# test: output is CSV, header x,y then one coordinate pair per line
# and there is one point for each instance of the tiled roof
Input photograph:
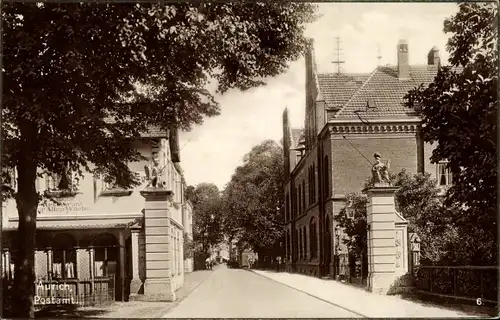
x,y
382,87
386,92
338,88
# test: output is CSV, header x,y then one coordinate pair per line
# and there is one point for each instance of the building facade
x,y
188,233
348,117
93,232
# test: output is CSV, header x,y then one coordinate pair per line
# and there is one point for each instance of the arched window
x,y
313,240
314,183
303,196
305,242
63,257
328,240
296,245
106,255
287,208
300,244
290,244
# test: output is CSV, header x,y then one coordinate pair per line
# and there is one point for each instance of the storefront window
x,y
106,256
63,257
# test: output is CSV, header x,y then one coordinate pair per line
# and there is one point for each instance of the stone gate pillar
x,y
381,220
158,284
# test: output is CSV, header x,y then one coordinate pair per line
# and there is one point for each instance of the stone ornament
x,y
153,172
380,171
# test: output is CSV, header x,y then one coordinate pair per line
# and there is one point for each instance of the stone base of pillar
x,y
381,283
157,290
136,289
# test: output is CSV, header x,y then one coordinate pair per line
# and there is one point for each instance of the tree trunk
x,y
24,271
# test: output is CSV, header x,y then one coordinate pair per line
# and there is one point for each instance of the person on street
x,y
278,263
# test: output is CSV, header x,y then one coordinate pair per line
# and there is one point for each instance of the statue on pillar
x,y
153,172
380,171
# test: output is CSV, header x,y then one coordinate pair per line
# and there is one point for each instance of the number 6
x,y
479,301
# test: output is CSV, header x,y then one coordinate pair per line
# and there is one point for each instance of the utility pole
x,y
338,62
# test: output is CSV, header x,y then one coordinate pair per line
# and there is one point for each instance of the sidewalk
x,y
133,309
359,300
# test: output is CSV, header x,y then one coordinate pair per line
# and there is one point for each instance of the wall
x,y
87,201
350,169
428,166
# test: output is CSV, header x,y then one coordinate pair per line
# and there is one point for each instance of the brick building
x,y
348,117
94,235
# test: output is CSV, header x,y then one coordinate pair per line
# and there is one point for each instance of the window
x,y
444,175
309,184
287,207
300,201
296,244
9,177
57,181
303,196
313,173
313,238
301,249
326,178
106,255
304,235
63,257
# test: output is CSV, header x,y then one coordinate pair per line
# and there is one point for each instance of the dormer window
x,y
444,175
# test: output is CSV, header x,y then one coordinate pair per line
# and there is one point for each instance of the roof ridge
x,y
356,92
342,74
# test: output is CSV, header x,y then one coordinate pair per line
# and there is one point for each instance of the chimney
x,y
433,57
403,64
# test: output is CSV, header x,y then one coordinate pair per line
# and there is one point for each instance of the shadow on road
x,y
69,311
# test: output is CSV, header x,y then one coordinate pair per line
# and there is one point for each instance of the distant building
x,y
348,117
188,233
96,231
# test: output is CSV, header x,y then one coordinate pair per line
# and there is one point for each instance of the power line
x,y
338,62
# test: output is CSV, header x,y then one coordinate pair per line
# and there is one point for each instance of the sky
x,y
211,152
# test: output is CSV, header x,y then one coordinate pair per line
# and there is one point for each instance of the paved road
x,y
235,293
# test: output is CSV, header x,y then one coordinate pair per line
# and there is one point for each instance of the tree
x,y
190,194
207,218
417,199
254,198
459,113
81,80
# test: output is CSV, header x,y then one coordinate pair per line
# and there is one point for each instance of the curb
x,y
178,301
311,295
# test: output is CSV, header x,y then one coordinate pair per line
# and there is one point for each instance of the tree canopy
x,y
459,114
82,80
207,215
254,198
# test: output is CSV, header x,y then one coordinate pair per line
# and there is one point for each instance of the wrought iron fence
x,y
80,292
463,282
